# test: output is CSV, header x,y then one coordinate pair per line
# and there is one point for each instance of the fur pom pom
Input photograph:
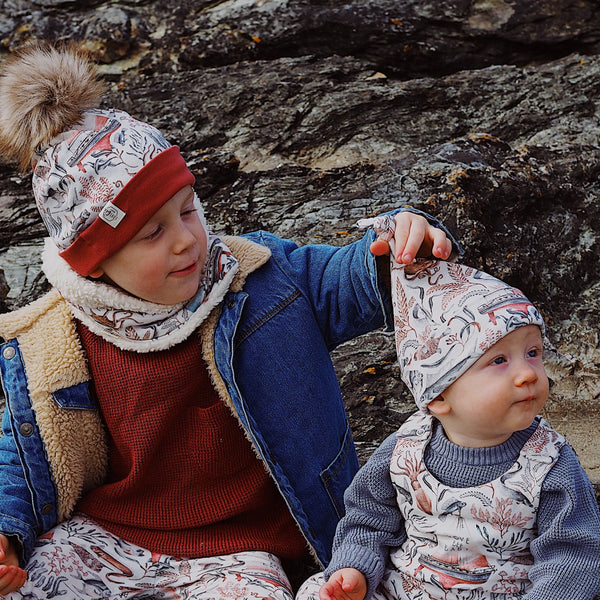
x,y
43,92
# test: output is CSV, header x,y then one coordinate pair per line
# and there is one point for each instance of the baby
x,y
476,496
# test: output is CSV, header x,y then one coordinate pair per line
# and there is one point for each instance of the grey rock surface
x,y
301,116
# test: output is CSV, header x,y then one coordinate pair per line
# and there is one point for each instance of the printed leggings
x,y
79,560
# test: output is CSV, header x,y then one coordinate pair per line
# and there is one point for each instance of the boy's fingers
x,y
408,235
443,245
409,240
404,225
11,579
379,247
445,249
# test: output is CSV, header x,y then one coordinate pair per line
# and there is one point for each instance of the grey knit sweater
x,y
566,551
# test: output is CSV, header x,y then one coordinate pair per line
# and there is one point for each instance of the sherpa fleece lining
x,y
74,440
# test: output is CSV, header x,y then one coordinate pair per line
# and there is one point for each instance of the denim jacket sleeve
x,y
298,306
343,284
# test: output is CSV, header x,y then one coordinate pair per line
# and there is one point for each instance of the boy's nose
x,y
184,238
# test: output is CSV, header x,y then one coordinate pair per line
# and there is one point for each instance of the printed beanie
x,y
98,175
446,316
98,184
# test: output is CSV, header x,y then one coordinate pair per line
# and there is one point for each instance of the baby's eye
x,y
499,360
189,211
534,352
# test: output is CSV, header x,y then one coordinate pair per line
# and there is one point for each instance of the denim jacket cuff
x,y
380,264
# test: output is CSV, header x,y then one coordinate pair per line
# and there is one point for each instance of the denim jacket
x,y
267,348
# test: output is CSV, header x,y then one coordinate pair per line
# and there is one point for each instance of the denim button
x,y
9,352
47,509
26,429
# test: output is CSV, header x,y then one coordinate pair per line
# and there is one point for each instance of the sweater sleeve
x,y
567,550
373,523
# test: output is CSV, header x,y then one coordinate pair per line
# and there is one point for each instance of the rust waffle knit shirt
x,y
183,479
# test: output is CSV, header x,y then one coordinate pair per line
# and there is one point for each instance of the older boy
x,y
174,425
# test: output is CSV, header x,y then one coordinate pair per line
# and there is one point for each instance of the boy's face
x,y
163,263
500,394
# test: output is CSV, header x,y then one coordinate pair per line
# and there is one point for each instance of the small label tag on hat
x,y
112,215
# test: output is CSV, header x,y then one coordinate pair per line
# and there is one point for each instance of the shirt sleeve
x,y
567,550
373,524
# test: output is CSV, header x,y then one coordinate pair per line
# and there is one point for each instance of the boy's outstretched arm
x,y
12,577
345,584
413,236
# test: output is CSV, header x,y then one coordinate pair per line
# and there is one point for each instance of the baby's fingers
x,y
329,591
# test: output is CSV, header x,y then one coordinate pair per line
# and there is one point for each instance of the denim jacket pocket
x,y
76,397
337,476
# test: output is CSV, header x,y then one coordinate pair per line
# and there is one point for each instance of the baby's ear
x,y
439,406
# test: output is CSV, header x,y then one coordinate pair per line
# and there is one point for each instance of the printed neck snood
x,y
134,324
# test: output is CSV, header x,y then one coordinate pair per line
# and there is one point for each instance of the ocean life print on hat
x,y
98,175
447,315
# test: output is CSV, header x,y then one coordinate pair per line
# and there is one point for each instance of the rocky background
x,y
301,116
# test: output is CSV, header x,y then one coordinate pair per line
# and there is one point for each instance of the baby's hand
x,y
345,584
12,577
409,235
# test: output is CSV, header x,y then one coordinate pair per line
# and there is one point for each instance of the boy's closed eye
x,y
156,229
153,233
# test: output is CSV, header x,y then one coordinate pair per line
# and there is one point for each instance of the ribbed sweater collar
x,y
459,466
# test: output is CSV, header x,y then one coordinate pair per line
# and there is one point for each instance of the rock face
x,y
301,116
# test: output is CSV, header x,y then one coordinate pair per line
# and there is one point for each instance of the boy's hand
x,y
12,577
345,584
413,236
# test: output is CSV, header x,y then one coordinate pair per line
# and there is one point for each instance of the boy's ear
x,y
439,406
97,273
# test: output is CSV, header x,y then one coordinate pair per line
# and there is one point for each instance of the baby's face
x,y
163,263
499,394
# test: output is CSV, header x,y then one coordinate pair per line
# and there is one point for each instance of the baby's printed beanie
x,y
98,175
446,315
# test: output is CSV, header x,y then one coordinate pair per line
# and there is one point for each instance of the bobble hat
x,y
98,175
